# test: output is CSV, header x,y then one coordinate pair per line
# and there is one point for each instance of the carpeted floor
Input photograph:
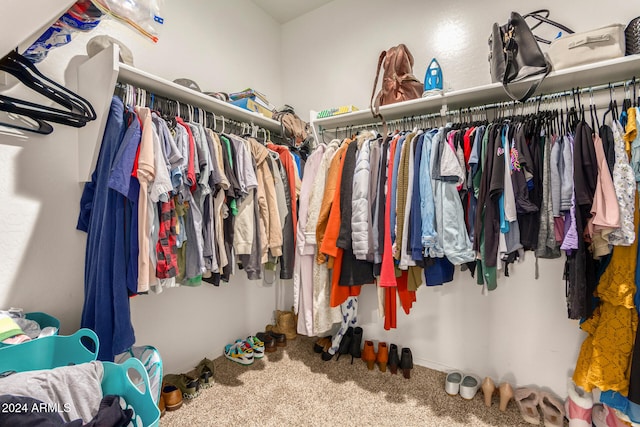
x,y
294,387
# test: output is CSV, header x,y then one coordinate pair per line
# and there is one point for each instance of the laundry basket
x,y
82,347
119,379
43,319
50,352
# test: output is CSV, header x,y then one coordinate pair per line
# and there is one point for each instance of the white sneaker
x,y
469,386
452,382
236,353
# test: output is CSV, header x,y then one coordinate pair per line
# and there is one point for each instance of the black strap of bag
x,y
532,88
510,48
542,16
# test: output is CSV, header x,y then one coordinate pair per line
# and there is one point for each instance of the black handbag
x,y
515,55
542,16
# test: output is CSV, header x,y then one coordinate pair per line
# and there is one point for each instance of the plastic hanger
x,y
626,103
610,107
592,110
43,128
30,76
76,110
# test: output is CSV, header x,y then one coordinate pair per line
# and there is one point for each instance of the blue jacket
x,y
415,216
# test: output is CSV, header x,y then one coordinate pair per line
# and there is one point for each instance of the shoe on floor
x,y
285,324
281,339
527,400
406,362
552,410
603,416
369,354
393,359
322,344
205,371
188,385
237,352
268,340
469,386
161,405
578,406
171,396
382,357
452,382
256,345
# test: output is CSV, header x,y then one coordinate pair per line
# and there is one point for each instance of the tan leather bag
x,y
398,82
293,126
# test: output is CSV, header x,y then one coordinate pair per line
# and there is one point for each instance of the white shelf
x,y
163,87
583,76
96,82
23,21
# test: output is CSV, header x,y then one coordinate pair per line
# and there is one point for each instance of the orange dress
x,y
339,294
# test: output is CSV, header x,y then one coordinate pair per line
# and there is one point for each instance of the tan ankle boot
x,y
285,324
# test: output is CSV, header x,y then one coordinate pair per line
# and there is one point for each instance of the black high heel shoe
x,y
345,343
394,359
356,344
406,362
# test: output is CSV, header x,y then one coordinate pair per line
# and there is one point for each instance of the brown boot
x,y
285,324
369,354
383,356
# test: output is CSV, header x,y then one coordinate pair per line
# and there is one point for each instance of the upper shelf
x,y
96,79
583,76
25,21
163,87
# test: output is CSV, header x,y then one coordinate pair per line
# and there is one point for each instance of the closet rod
x,y
136,96
403,120
551,96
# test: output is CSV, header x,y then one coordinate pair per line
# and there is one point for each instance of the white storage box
x,y
587,47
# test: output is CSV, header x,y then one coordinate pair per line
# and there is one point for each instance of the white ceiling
x,y
285,10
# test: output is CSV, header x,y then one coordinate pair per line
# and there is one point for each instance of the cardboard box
x,y
252,105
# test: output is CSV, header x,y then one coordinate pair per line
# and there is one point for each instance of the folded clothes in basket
x,y
76,390
33,412
8,327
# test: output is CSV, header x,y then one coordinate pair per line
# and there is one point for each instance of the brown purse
x,y
398,82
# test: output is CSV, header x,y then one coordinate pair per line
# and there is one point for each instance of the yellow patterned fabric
x,y
605,357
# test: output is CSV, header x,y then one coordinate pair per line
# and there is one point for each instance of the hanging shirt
x,y
106,302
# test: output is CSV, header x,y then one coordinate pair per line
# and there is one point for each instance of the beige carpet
x,y
294,387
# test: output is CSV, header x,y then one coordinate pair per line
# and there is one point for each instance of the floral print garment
x,y
625,185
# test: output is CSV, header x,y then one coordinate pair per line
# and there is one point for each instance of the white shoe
x,y
469,386
238,353
452,382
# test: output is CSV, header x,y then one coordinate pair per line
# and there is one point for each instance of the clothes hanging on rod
x,y
180,196
471,192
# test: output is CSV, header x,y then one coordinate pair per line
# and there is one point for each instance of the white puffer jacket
x,y
361,208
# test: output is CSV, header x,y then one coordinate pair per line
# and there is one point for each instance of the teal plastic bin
x,y
43,319
82,347
119,379
50,352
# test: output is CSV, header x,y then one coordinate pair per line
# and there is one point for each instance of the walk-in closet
x,y
319,212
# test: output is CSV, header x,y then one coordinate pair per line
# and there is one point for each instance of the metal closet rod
x,y
483,107
552,96
140,92
403,120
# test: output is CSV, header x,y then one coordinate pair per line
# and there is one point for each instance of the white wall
x,y
520,332
224,46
